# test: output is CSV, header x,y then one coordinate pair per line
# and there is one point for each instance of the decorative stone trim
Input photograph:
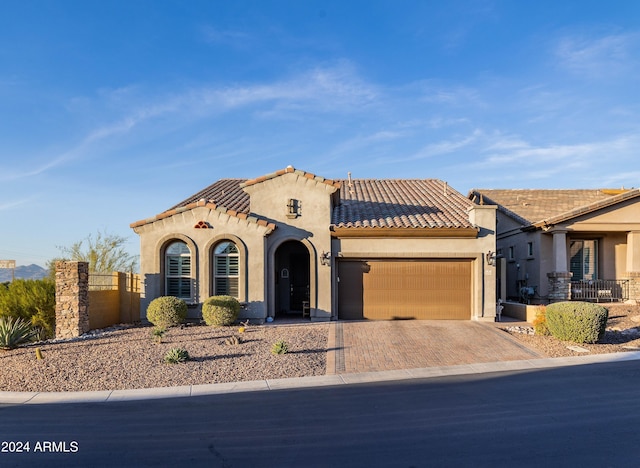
x,y
559,286
72,299
634,286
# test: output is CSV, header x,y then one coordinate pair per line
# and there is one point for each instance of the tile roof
x,y
224,192
366,203
400,203
533,206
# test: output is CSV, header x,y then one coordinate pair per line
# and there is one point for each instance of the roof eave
x,y
371,232
583,210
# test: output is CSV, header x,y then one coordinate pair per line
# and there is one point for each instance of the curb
x,y
108,396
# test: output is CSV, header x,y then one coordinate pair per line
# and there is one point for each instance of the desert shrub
x,y
157,333
280,347
580,322
540,322
220,311
176,355
233,341
167,311
14,332
34,301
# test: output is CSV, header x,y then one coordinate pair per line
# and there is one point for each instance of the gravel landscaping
x,y
623,334
128,357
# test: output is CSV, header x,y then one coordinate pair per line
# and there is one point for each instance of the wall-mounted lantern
x,y
491,258
325,258
294,208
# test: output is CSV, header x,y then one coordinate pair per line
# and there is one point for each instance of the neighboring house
x,y
291,243
556,245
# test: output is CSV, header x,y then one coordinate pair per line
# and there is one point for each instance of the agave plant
x,y
14,332
176,355
280,347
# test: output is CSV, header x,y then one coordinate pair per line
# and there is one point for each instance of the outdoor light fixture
x,y
491,258
325,258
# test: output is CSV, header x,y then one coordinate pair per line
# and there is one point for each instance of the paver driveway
x,y
370,346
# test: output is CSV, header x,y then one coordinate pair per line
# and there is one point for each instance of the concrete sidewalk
x,y
30,398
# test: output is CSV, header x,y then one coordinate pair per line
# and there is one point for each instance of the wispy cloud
x,y
510,161
14,204
445,147
233,37
599,57
331,89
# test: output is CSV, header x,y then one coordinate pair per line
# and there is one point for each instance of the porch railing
x,y
600,290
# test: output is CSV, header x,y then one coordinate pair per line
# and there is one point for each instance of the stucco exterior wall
x,y
248,236
310,225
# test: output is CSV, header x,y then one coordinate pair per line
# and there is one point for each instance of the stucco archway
x,y
292,278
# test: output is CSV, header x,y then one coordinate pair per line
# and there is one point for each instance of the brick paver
x,y
404,344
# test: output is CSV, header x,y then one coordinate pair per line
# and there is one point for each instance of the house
x,y
556,245
294,243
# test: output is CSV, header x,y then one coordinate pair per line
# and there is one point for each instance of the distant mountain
x,y
25,272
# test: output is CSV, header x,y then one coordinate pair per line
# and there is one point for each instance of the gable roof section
x,y
410,204
549,206
290,170
225,196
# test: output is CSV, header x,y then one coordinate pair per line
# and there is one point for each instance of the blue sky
x,y
112,112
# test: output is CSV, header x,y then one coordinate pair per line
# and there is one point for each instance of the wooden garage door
x,y
403,289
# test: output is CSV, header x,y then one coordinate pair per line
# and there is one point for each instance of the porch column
x,y
633,265
560,251
560,277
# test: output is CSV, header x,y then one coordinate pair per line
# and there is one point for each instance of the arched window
x,y
226,269
178,270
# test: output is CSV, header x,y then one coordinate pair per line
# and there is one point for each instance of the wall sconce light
x,y
491,258
325,258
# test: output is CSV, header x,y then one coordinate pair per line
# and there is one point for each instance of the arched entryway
x,y
292,278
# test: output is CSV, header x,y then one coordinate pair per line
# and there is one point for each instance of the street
x,y
583,416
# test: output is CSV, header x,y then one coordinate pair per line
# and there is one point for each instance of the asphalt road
x,y
573,416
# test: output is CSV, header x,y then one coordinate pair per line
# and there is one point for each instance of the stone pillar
x,y
634,286
633,266
559,286
72,299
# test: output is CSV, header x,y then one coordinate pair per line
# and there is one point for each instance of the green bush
x,y
176,355
580,322
14,332
34,301
219,311
167,311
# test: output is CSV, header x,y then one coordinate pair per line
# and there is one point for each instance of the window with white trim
x,y
583,261
226,269
178,270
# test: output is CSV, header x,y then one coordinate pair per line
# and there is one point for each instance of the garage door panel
x,y
422,289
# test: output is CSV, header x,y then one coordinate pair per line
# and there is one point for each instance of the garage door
x,y
404,289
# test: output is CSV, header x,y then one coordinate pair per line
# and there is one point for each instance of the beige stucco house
x,y
293,243
556,245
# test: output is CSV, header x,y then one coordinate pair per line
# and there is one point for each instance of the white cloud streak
x,y
601,57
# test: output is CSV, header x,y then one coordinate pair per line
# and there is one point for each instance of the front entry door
x,y
292,277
